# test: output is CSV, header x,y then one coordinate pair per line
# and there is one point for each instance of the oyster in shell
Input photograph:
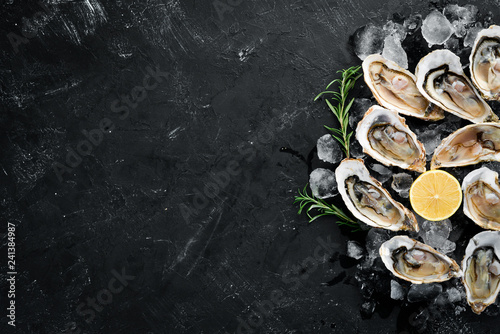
x,y
395,89
368,201
384,135
468,146
481,267
417,262
482,198
441,80
485,63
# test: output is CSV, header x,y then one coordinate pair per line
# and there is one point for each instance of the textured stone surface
x,y
187,192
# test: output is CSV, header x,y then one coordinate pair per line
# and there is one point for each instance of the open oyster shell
x,y
417,262
368,201
441,80
395,89
481,267
482,198
384,135
468,146
485,62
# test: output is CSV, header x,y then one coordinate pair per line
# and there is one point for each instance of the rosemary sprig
x,y
341,110
304,199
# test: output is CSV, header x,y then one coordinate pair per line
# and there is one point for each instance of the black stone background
x,y
240,86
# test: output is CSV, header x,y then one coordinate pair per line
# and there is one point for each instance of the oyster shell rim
x,y
386,255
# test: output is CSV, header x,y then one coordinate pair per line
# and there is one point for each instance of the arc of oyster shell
x,y
468,146
394,88
368,201
441,80
485,62
481,268
417,262
482,198
384,135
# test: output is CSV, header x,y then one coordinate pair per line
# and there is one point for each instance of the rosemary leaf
x,y
324,209
342,107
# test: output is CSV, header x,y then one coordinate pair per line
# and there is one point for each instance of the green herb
x,y
341,110
325,209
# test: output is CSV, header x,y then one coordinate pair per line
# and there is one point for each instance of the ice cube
x,y
436,233
322,182
421,292
375,238
431,138
401,183
368,40
471,34
367,309
354,250
383,173
328,149
452,44
413,22
394,51
436,29
356,150
397,291
465,15
459,28
454,295
396,29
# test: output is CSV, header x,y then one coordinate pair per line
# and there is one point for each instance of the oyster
x,y
482,198
485,63
395,89
481,266
441,80
468,146
368,201
416,262
384,135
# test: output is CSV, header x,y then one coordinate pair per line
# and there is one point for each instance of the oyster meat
x,y
395,89
384,135
416,262
485,62
468,146
481,267
441,80
368,201
482,198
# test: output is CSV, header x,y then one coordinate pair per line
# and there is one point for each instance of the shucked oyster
x,y
469,145
416,262
485,63
368,201
395,89
441,80
482,198
384,135
481,266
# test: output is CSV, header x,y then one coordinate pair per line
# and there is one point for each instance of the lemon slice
x,y
435,195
